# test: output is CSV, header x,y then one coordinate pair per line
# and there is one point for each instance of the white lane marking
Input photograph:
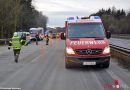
x,y
97,80
35,59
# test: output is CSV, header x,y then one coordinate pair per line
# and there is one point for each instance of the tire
x,y
107,64
67,65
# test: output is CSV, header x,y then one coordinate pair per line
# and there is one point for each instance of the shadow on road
x,y
87,68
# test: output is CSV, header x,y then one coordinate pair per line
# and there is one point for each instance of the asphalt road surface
x,y
42,68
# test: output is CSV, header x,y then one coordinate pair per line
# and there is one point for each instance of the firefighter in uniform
x,y
37,38
15,43
47,37
28,40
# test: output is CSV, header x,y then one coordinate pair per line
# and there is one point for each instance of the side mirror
x,y
63,37
108,34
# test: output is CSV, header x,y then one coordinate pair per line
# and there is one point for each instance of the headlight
x,y
69,50
106,50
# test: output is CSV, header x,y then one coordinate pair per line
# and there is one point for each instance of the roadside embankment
x,y
121,54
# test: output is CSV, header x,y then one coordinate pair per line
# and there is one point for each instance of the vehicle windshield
x,y
34,31
86,30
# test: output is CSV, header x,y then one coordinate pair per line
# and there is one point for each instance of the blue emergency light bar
x,y
96,17
70,18
91,18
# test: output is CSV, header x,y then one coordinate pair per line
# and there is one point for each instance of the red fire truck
x,y
86,42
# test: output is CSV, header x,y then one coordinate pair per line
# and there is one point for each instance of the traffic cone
x,y
41,50
51,43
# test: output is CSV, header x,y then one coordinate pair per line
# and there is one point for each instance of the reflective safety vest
x,y
15,42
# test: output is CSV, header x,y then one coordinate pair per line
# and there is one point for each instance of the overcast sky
x,y
58,10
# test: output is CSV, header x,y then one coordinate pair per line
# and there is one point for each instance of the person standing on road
x,y
28,40
23,37
15,43
37,37
47,37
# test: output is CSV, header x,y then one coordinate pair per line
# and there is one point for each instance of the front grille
x,y
88,51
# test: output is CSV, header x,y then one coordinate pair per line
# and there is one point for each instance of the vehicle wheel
x,y
67,65
106,65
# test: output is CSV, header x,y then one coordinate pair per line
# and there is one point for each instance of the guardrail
x,y
122,49
121,53
121,36
4,41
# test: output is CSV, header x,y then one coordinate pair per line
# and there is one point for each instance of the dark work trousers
x,y
47,40
36,41
16,51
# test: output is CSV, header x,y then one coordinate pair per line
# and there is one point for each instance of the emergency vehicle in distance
x,y
34,31
86,42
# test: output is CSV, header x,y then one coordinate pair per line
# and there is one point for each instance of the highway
x,y
42,68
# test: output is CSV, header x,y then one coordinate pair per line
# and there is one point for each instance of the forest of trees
x,y
118,21
18,15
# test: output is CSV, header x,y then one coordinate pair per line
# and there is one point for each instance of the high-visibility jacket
x,y
15,42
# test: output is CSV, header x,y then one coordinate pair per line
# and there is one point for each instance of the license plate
x,y
89,63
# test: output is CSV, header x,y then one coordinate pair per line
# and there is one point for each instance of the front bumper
x,y
80,60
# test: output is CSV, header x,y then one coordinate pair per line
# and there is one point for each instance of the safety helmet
x,y
15,34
